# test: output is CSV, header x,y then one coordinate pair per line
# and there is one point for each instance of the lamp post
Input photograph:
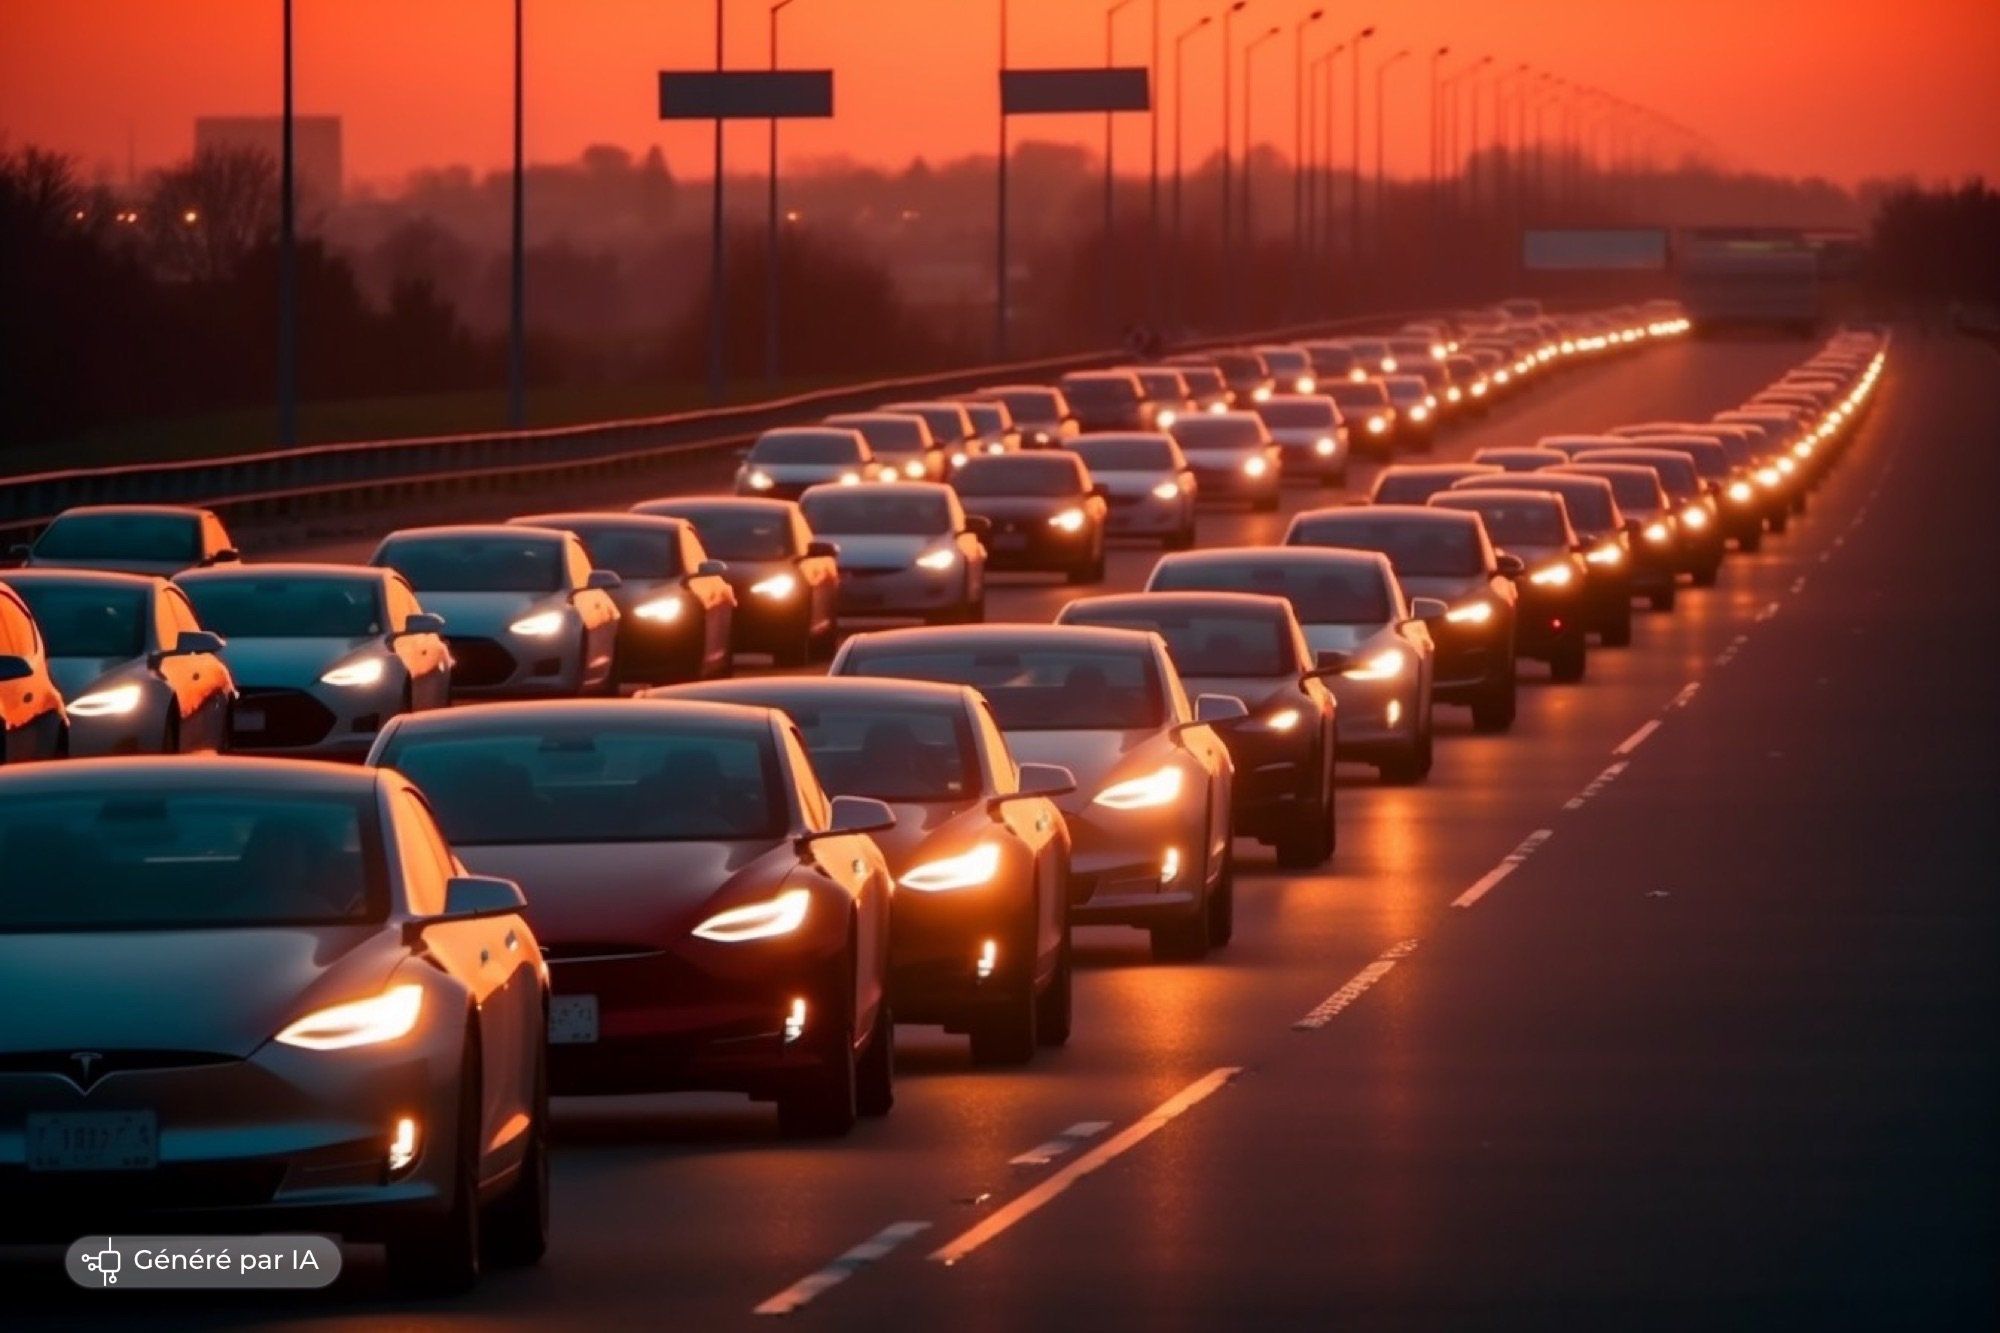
x,y
1110,183
1354,158
517,277
1299,145
1180,70
1249,52
718,317
1228,25
1381,137
288,259
771,291
1319,198
1437,58
1470,150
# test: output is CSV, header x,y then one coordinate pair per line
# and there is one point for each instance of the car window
x,y
824,446
999,755
116,536
1209,642
1536,522
1126,455
1047,475
468,562
288,607
891,752
888,510
636,552
1415,547
86,620
1322,592
1040,689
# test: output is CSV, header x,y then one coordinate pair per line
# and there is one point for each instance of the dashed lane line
x,y
877,1247
1508,865
1062,1144
1355,987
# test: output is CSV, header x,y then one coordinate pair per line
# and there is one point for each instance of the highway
x,y
1673,1006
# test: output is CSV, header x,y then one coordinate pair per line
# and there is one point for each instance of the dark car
x,y
1371,416
1205,384
786,580
1167,388
1108,400
900,443
1041,413
1247,374
1284,750
783,462
1605,538
162,540
1043,510
1732,490
952,429
1701,544
1233,456
1414,483
1652,533
1416,411
980,853
1446,556
1534,528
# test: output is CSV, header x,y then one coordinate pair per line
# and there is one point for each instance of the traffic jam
x,y
361,864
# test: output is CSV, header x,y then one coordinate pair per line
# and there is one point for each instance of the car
x,y
1445,398
1604,535
713,919
1414,483
129,654
1369,413
1109,400
783,462
676,608
1041,413
1700,533
1233,457
1416,411
1374,356
979,943
267,997
1043,512
1246,373
33,724
1520,458
1284,749
1358,623
1149,820
1205,383
1533,526
905,549
1148,486
1732,491
1412,353
1446,557
1468,379
952,428
1290,368
1333,359
161,540
900,444
321,655
1167,388
786,578
993,428
1311,436
526,614
1652,532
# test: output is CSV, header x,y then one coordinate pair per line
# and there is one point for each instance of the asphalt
x,y
1717,1050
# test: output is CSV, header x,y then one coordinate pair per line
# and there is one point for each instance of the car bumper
x,y
1149,516
1377,718
1305,460
324,722
938,971
1036,547
901,591
1118,860
1277,778
1235,484
508,666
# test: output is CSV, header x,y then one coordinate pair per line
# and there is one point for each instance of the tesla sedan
x,y
32,722
1290,368
131,539
676,610
1534,528
1148,486
1732,491
1604,541
1233,457
1370,415
1701,544
1109,400
1447,557
1311,436
1416,412
783,462
1652,533
1043,512
266,998
1167,388
900,443
1357,621
980,852
1150,817
129,654
526,613
906,549
1249,648
952,427
993,428
786,580
712,918
1414,483
1041,413
1206,386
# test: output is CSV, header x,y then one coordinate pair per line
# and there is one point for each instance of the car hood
x,y
1254,691
486,614
1325,638
803,474
1534,557
1131,483
740,574
633,593
1017,506
1444,587
1093,757
631,894
286,663
74,676
926,830
881,551
221,991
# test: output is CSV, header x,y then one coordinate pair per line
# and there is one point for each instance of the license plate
x,y
572,1020
93,1141
248,719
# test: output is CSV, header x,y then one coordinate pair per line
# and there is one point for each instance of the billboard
x,y
779,94
1029,92
1595,250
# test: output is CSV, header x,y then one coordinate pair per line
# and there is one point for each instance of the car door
x,y
819,573
1205,745
425,659
201,683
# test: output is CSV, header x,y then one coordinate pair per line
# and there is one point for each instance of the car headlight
x,y
1305,384
369,1022
1256,465
1068,520
1388,365
1358,375
1787,466
958,459
1376,425
1143,793
1657,532
661,610
1166,417
1552,576
1769,477
1167,490
1454,394
1418,412
1040,437
1479,388
759,921
967,870
1803,450
777,587
1218,408
1741,492
942,558
1324,446
1281,720
541,625
114,702
368,671
1439,351
1470,613
1695,516
1609,553
1385,665
913,468
854,478
1501,376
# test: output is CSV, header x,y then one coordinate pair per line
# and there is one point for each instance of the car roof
x,y
1192,597
932,488
188,773
1511,494
750,691
1401,512
690,504
839,419
286,569
446,531
1006,634
472,718
623,518
157,510
1436,470
1295,555
97,578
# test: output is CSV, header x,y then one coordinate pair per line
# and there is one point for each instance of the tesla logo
x,y
85,1062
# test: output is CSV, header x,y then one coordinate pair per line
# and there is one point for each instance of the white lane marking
x,y
876,1247
1770,609
1597,784
1355,987
1062,1144
1508,864
1123,1142
1687,694
1637,738
1798,585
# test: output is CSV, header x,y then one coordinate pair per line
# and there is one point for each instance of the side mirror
x,y
979,525
228,555
195,642
1427,608
1510,565
604,580
1049,780
1100,492
20,553
711,568
423,622
468,897
1213,708
823,549
859,814
15,668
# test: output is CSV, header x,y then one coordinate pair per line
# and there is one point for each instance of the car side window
x,y
813,803
1006,774
427,860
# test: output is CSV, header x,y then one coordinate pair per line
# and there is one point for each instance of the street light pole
x,y
1228,23
771,286
288,260
1156,298
1299,145
1110,276
1249,239
1437,58
1354,157
1381,138
517,315
1180,83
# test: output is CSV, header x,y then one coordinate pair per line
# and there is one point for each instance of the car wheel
x,y
875,1075
1009,1034
1411,766
170,735
517,1224
824,1106
1751,541
1566,666
799,651
1618,634
1308,842
1706,576
1182,941
1494,708
1222,904
1057,1003
442,1256
1663,599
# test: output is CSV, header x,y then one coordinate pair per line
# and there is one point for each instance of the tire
x,y
1706,576
1410,767
799,653
875,1074
1309,842
1751,541
1182,941
1008,1036
1495,707
1662,599
820,647
1618,634
441,1258
1222,904
516,1228
170,735
1566,666
1055,1008
1092,572
826,1107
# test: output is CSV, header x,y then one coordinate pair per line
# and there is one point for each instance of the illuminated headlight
x,y
1256,465
403,1144
1439,351
1305,384
1695,516
1769,477
1166,417
1324,446
1501,376
114,702
1802,449
367,671
1418,412
1657,532
661,610
1218,408
854,478
1284,719
1610,553
760,480
1523,366
942,558
968,870
1388,365
1377,425
1470,613
1453,394
1741,491
958,459
1479,388
1157,788
1385,665
1358,375
913,468
541,625
1167,490
759,921
1568,346
369,1022
776,587
1787,466
1069,520
1552,576
1261,394
1041,437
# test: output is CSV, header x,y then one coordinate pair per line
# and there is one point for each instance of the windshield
x,y
1415,547
1043,405
1241,366
1211,643
1636,489
158,860
542,781
807,447
1406,389
163,537
1536,522
475,564
1162,385
743,533
988,418
892,511
896,435
1676,473
288,608
1590,507
891,753
1368,393
1322,592
1283,412
79,621
1413,488
1203,379
634,553
1100,390
1040,689
1125,455
1018,474
1220,432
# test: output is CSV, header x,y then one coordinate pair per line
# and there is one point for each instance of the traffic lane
x,y
1723,1045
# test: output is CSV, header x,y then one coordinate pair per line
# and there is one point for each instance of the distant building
x,y
315,145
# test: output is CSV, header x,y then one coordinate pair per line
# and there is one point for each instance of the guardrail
x,y
319,477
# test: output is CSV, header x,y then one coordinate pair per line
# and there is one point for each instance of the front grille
x,y
1125,501
85,1067
291,718
477,662
86,1194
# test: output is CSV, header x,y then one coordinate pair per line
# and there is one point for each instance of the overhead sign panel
x,y
782,94
1041,92
1595,249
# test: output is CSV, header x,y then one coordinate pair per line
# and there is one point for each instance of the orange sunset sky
x,y
1847,89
